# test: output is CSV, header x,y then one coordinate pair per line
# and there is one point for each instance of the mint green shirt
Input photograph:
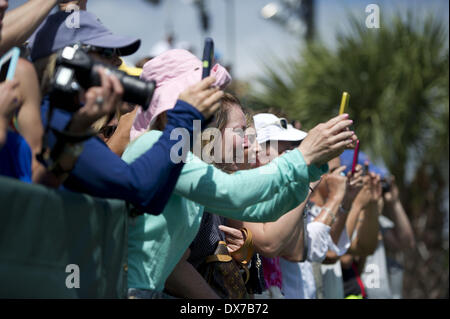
x,y
157,243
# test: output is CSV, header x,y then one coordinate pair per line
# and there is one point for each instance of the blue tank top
x,y
15,158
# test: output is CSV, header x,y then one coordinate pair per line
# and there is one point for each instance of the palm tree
x,y
398,79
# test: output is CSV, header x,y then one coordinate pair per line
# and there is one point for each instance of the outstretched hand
x,y
204,97
328,140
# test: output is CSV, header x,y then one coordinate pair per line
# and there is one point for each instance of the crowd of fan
x,y
269,212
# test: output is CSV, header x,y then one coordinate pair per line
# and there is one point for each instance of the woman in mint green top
x,y
156,243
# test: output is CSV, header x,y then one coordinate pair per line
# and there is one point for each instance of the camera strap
x,y
62,138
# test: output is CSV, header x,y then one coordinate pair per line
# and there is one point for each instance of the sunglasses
x,y
108,130
281,122
104,52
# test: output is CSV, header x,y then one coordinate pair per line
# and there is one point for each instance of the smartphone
x,y
355,157
344,102
385,186
366,169
208,57
8,64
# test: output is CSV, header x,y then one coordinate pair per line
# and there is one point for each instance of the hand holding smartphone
x,y
207,61
366,169
208,56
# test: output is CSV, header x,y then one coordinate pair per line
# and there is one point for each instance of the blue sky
x,y
257,41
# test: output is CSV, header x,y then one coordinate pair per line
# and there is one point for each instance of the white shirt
x,y
319,240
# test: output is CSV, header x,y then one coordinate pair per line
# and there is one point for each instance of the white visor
x,y
271,128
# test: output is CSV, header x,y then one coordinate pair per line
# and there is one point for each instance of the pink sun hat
x,y
174,71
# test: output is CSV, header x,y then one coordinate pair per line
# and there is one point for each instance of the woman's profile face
x,y
236,142
233,133
251,150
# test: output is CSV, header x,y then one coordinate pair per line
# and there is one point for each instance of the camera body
x,y
75,69
385,185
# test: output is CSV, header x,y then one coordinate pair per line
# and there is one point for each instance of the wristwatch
x,y
72,150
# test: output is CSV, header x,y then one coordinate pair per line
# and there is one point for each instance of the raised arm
x,y
266,193
367,226
354,185
277,238
148,181
319,240
402,236
30,126
151,173
361,202
21,22
252,195
9,102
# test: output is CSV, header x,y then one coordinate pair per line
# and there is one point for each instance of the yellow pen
x,y
344,102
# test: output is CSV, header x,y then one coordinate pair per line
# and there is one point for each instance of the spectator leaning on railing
x,y
24,140
146,183
364,241
251,195
25,131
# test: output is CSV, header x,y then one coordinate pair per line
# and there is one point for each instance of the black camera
x,y
75,69
386,186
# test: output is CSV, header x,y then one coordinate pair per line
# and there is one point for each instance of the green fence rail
x,y
43,231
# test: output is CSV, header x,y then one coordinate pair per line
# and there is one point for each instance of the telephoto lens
x,y
386,186
136,91
74,68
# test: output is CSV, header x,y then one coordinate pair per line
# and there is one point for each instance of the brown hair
x,y
221,117
45,69
140,64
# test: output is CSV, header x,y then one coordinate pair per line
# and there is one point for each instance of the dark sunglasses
x,y
281,122
108,130
104,52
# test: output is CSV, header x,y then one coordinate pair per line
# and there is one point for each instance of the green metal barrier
x,y
42,231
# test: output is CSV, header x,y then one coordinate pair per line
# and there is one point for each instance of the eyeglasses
x,y
108,130
105,52
281,122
